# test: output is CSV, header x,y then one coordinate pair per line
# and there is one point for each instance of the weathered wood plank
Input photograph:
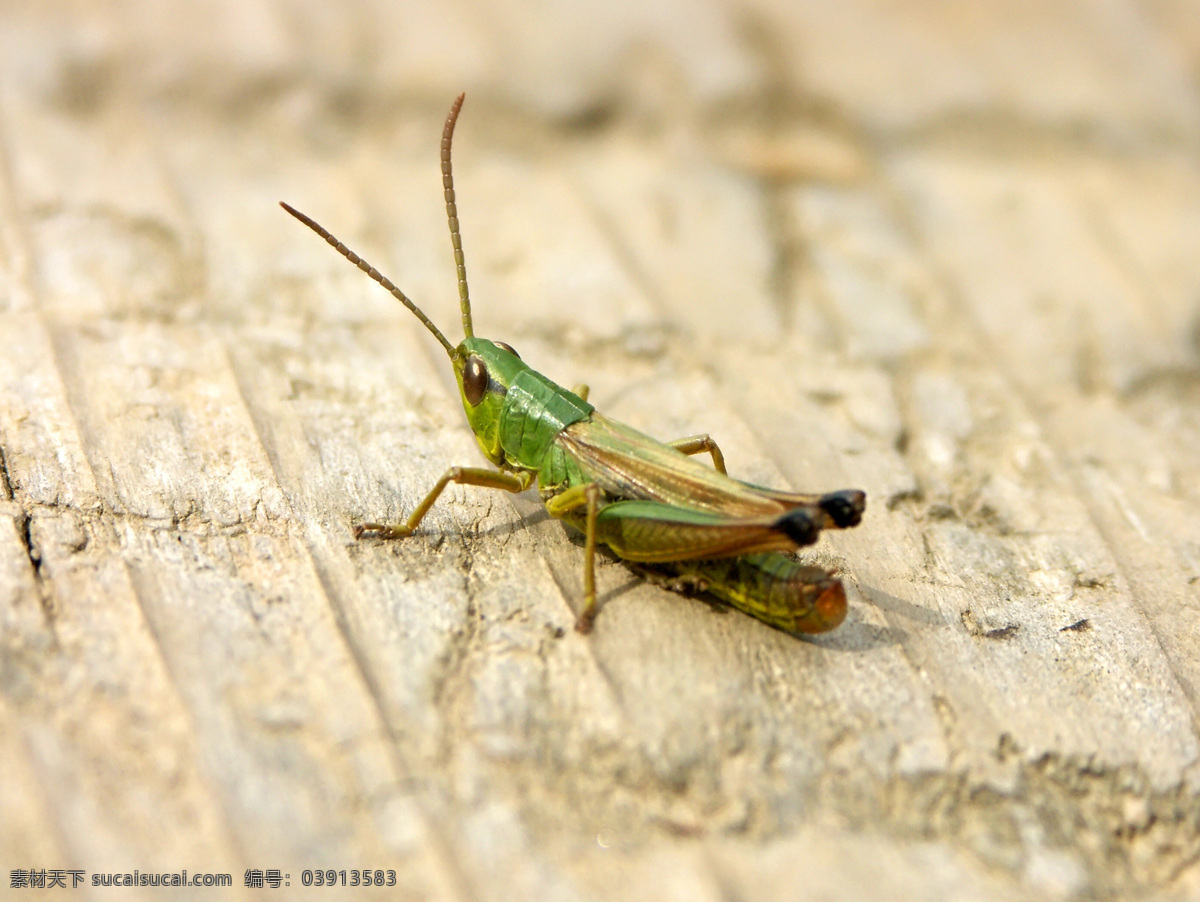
x,y
945,253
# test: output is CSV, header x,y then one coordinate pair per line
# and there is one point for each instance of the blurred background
x,y
945,252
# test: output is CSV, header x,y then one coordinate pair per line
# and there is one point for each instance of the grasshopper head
x,y
484,370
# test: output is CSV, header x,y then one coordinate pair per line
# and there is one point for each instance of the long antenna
x,y
374,274
464,297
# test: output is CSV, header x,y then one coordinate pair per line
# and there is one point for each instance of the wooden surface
x,y
945,252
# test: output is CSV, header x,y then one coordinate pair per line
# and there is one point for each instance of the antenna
x,y
464,297
377,275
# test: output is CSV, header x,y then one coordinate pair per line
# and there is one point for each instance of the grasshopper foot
x,y
382,531
583,624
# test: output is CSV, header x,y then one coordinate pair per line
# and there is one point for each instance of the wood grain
x,y
942,252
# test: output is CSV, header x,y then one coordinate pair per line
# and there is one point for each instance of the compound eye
x,y
507,347
475,381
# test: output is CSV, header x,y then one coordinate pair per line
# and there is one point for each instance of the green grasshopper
x,y
677,521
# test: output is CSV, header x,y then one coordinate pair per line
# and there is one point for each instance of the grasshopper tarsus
x,y
382,531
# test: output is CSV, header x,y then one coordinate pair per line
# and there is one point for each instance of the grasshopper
x,y
674,519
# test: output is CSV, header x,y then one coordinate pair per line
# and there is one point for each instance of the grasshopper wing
x,y
653,532
631,465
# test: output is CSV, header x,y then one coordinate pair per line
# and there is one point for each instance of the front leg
x,y
490,479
